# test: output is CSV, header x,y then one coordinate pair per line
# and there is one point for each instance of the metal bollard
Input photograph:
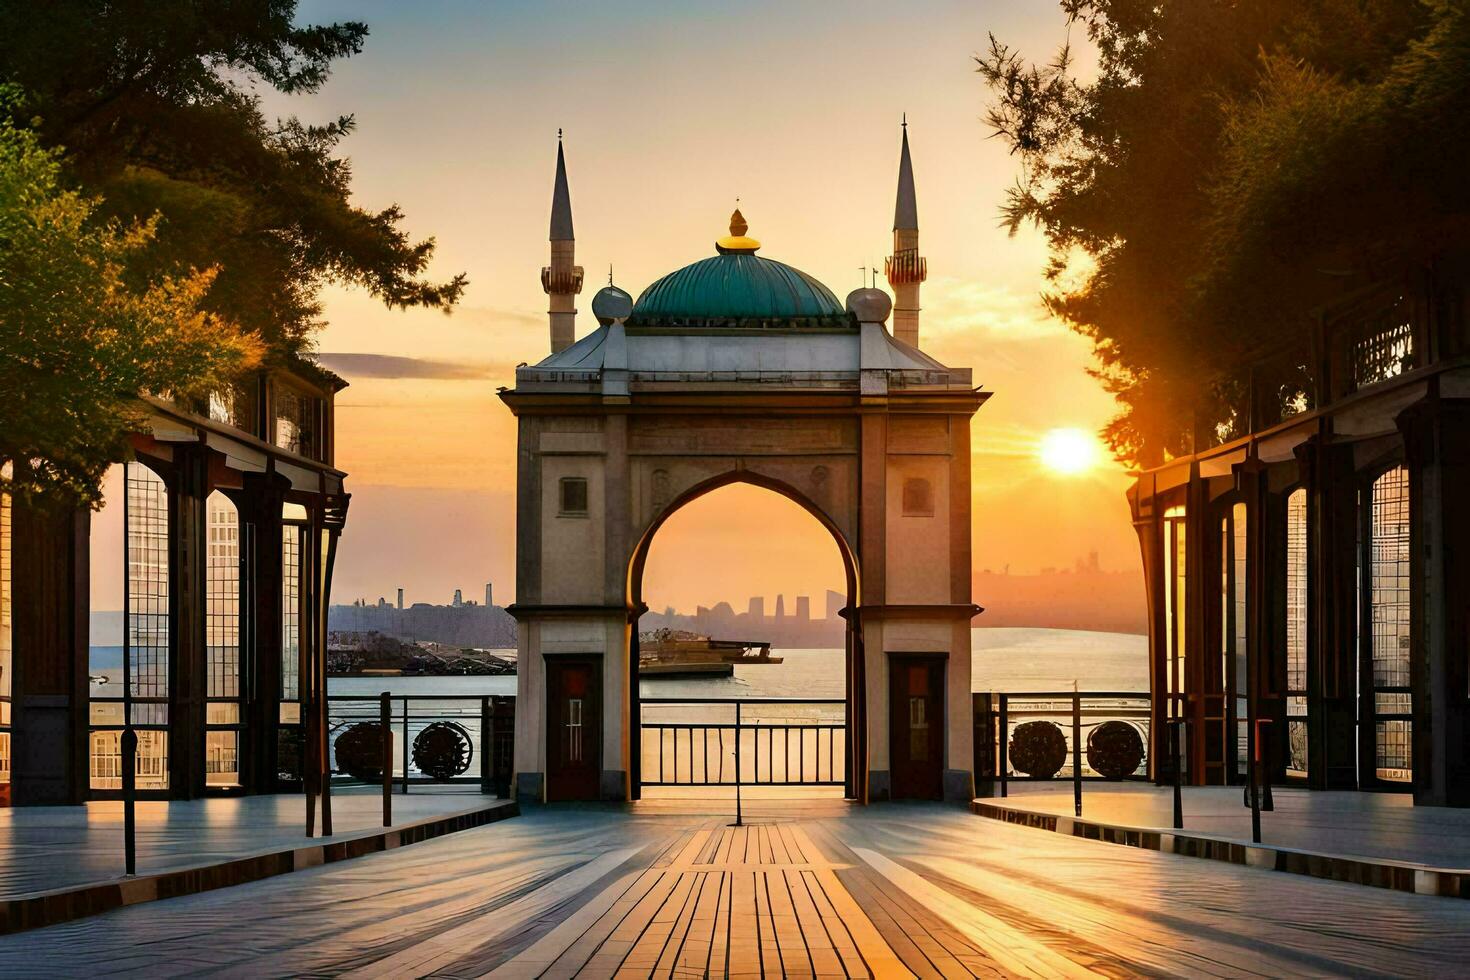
x,y
1005,751
385,722
1077,753
1178,773
130,799
739,822
485,740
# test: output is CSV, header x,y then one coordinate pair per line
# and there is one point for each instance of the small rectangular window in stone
x,y
573,495
918,497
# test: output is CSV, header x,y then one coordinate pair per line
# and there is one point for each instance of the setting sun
x,y
1069,451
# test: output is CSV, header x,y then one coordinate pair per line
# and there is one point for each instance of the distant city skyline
x,y
1083,596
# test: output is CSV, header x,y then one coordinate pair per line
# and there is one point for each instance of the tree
x,y
79,340
1205,192
155,104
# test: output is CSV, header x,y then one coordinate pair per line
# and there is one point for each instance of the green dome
x,y
738,289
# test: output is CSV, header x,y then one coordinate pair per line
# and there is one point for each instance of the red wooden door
x,y
573,728
916,727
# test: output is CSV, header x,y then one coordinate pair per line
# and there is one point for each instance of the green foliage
x,y
80,338
155,104
1230,161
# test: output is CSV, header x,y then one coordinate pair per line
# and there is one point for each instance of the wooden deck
x,y
754,901
807,888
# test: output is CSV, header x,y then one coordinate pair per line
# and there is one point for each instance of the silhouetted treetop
x,y
1226,167
155,104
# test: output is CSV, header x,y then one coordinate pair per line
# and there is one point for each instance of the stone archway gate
x,y
625,426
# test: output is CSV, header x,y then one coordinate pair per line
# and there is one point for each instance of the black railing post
x,y
128,741
739,821
405,745
485,737
1256,775
129,745
385,722
1005,739
1260,779
1178,766
1267,802
1077,752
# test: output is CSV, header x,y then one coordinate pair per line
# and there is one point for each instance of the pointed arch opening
x,y
727,537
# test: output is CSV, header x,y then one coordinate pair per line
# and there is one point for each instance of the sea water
x,y
799,740
1002,659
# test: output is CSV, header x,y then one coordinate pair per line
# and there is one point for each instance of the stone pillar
x,y
188,680
620,667
870,686
1437,446
1198,762
260,621
50,589
1151,549
1332,595
959,775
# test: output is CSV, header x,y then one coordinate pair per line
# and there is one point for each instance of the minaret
x,y
905,268
562,280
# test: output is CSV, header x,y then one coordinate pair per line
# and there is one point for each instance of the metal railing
x,y
458,739
1075,715
750,742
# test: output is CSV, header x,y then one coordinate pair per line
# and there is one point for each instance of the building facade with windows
x,y
227,514
1308,572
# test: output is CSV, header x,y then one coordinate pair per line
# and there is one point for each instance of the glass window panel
x,y
291,612
1388,621
222,713
221,759
148,619
106,760
295,420
107,713
1385,345
1296,630
222,591
573,495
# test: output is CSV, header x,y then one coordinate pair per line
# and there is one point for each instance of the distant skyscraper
x,y
400,598
458,598
803,608
489,601
780,607
757,609
835,603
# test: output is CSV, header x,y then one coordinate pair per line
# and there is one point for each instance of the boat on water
x,y
680,653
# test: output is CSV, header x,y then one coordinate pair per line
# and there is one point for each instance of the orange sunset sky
x,y
671,111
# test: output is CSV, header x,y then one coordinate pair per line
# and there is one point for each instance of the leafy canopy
x,y
78,338
156,105
1228,165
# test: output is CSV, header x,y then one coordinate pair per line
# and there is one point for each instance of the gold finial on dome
x,y
736,242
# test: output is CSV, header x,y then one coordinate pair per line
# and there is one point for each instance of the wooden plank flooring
x,y
753,901
892,890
